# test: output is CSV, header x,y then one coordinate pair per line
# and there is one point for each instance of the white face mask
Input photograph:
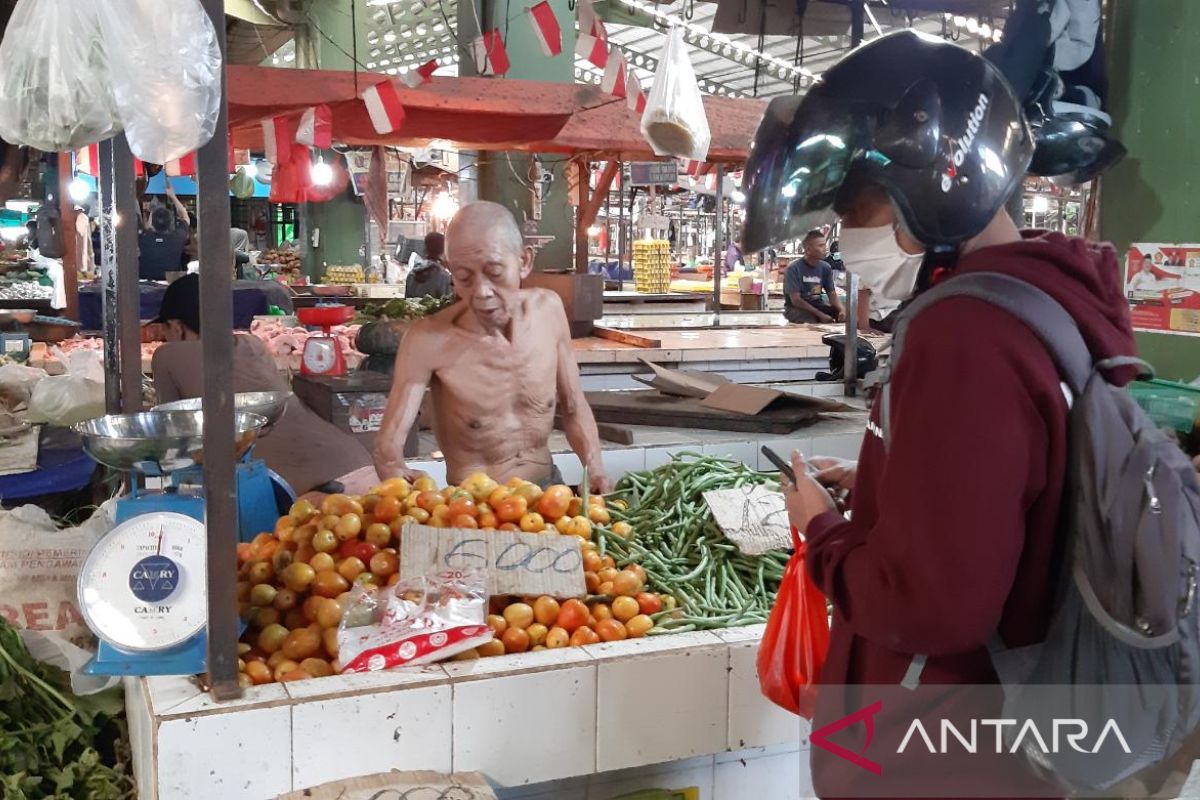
x,y
874,255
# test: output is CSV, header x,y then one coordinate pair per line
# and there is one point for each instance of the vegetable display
x,y
49,737
684,553
402,308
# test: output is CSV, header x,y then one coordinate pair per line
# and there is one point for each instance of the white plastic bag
x,y
54,77
166,74
674,122
75,396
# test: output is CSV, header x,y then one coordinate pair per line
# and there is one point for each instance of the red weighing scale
x,y
322,354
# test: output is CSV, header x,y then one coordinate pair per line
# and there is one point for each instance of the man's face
x,y
814,248
487,273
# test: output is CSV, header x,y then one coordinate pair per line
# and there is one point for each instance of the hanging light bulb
x,y
444,206
593,231
78,190
322,173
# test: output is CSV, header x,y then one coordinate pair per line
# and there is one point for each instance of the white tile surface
x,y
742,633
570,466
779,777
165,692
366,682
234,756
842,445
270,694
141,736
745,452
754,721
517,663
618,462
651,645
662,708
434,469
406,729
531,728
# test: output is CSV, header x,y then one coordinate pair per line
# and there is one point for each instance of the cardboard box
x,y
720,393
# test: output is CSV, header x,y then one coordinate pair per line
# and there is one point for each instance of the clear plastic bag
x,y
418,621
674,122
76,396
55,76
166,74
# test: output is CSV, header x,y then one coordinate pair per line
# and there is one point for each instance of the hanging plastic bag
x,y
796,640
55,76
166,74
674,122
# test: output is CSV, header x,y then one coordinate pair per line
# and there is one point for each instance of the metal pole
x,y
850,363
717,238
622,236
857,22
216,342
129,325
108,281
73,257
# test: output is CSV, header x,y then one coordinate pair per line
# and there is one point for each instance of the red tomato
x,y
511,509
464,521
572,615
554,502
649,603
462,504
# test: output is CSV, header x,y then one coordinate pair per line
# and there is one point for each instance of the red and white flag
x,y
545,28
592,49
491,58
613,81
421,75
589,23
384,107
87,160
277,140
181,166
635,98
316,127
639,102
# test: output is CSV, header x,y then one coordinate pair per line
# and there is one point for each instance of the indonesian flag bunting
x,y
182,166
421,75
490,56
589,23
316,127
633,89
613,81
592,49
87,160
545,28
383,106
277,139
640,102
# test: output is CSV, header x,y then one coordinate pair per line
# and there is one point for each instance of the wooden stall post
x,y
583,173
216,323
121,295
72,256
717,240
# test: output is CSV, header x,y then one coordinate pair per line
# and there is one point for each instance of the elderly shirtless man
x,y
499,364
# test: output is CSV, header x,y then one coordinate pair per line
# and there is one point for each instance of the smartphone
x,y
783,466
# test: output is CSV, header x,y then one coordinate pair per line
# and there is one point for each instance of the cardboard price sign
x,y
516,563
752,517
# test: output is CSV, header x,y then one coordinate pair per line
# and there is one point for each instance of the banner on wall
x,y
1162,282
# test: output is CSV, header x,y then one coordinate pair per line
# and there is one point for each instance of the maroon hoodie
x,y
953,536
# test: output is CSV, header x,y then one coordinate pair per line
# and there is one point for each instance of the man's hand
x,y
170,188
599,483
805,500
823,318
835,473
841,315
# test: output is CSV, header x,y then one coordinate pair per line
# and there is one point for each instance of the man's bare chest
x,y
499,376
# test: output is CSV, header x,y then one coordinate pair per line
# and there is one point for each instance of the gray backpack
x,y
1124,640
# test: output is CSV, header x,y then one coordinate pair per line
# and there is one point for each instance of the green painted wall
x,y
1153,195
503,177
342,220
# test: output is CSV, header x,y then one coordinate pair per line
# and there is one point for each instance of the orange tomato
x,y
608,562
545,610
532,522
420,515
462,504
497,623
563,525
378,534
591,581
636,569
601,611
384,563
584,635
519,615
387,509
639,626
429,501
258,672
244,552
537,633
479,485
572,615
348,527
515,640
493,648
554,502
605,588
322,561
329,583
649,603
530,491
625,608
508,526
488,521
351,568
606,574
498,494
627,583
610,630
557,637
301,511
592,562
599,515
424,484
575,507
511,508
464,521
395,487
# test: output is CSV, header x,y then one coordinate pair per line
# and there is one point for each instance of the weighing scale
x,y
322,354
143,587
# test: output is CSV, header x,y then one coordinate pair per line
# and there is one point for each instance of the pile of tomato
x,y
294,583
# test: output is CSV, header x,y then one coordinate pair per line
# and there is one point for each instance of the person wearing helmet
x,y
952,542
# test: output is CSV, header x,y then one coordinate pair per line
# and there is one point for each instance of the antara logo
x,y
963,143
1028,736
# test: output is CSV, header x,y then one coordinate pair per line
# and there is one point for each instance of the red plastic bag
x,y
796,641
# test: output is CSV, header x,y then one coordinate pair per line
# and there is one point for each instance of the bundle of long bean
x,y
682,550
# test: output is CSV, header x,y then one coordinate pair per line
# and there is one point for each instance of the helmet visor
x,y
801,155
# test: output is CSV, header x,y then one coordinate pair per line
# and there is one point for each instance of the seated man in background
x,y
307,451
806,280
430,278
499,363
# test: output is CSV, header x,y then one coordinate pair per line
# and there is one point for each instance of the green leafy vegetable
x,y
51,741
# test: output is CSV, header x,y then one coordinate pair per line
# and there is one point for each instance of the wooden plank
x,y
625,337
652,408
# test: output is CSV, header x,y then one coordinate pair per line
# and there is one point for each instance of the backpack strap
x,y
1032,306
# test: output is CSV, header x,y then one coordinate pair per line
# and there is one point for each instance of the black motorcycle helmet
x,y
935,125
1075,143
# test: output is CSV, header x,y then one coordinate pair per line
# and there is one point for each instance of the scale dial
x,y
143,587
320,355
